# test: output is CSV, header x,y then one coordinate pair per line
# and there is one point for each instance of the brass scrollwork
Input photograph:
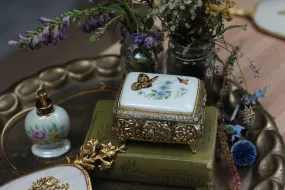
x,y
48,183
158,131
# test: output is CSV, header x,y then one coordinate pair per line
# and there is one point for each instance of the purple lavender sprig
x,y
95,21
147,40
52,31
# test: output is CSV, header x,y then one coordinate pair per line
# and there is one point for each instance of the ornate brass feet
x,y
192,145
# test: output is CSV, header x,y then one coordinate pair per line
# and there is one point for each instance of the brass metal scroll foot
x,y
192,144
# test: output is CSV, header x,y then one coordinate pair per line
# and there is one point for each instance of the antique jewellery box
x,y
160,108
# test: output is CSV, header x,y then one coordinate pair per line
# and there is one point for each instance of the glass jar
x,y
139,59
193,61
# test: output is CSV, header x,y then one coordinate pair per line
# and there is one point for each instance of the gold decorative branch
x,y
104,153
50,183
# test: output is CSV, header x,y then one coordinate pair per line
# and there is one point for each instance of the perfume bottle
x,y
48,126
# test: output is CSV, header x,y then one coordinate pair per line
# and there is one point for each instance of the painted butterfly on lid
x,y
183,81
143,82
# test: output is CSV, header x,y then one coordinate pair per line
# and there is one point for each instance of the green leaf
x,y
152,94
70,13
31,129
231,27
149,22
153,90
49,129
36,126
76,11
185,50
93,38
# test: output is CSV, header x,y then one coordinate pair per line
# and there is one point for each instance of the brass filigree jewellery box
x,y
160,108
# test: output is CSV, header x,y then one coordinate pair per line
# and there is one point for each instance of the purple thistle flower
x,y
65,21
44,19
12,42
244,153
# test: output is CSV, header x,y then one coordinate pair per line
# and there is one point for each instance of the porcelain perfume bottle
x,y
48,126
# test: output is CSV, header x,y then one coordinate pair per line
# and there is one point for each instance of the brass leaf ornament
x,y
104,153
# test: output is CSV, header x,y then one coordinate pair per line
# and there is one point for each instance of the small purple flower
x,y
101,22
63,33
217,70
12,42
112,14
35,41
228,71
65,21
106,17
149,41
138,38
45,32
39,134
55,35
44,19
255,70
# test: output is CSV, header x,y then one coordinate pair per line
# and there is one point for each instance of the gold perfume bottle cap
x,y
44,105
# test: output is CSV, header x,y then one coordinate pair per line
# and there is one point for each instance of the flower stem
x,y
130,12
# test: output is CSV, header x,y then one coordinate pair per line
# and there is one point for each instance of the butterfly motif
x,y
183,81
143,82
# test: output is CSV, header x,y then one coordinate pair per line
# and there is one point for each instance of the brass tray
x,y
268,173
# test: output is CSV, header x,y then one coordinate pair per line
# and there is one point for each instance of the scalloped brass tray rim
x,y
13,86
103,88
84,172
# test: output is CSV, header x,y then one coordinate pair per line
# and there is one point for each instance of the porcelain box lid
x,y
161,97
